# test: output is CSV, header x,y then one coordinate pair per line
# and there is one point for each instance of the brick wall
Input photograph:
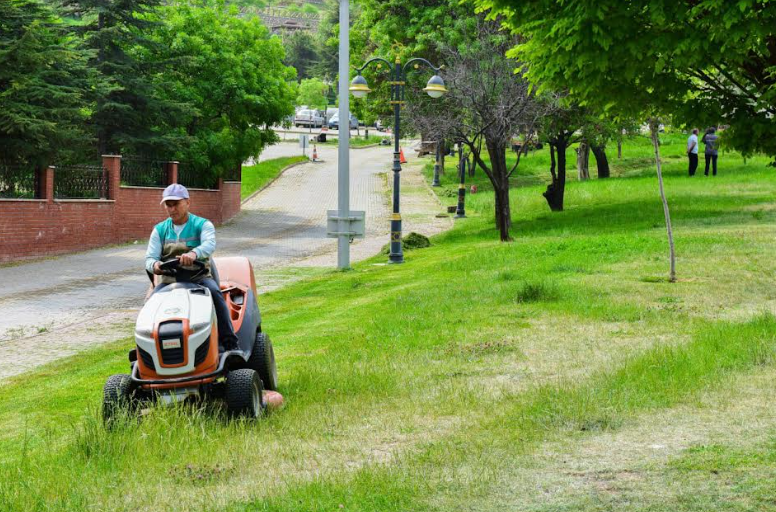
x,y
43,227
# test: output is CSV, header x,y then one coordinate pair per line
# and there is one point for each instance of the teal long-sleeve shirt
x,y
205,249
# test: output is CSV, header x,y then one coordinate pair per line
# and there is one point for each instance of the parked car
x,y
334,122
330,111
308,117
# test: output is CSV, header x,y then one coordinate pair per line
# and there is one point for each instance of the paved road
x,y
56,307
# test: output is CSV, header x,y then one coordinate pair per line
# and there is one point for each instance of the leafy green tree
x,y
327,40
637,59
127,105
301,52
312,92
713,60
486,106
44,86
404,29
597,132
229,71
558,128
309,9
416,28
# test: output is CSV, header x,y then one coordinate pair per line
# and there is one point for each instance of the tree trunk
x,y
601,161
556,190
653,128
102,137
500,181
583,161
619,150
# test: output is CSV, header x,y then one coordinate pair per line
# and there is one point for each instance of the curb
x,y
270,182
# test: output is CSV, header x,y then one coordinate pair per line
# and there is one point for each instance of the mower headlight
x,y
146,333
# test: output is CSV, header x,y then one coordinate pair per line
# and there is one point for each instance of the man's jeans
x,y
693,163
710,159
226,335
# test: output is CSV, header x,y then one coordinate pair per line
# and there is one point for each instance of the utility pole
x,y
343,174
344,223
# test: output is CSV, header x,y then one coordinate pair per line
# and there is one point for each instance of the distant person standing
x,y
710,140
692,151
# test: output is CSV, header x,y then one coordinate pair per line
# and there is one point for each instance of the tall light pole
x,y
343,223
435,88
343,143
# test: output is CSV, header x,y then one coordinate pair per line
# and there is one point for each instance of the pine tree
x,y
129,115
44,86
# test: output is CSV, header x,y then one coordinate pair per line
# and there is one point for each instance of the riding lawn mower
x,y
177,355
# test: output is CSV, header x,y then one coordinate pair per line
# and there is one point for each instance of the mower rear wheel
x,y
263,361
117,398
244,395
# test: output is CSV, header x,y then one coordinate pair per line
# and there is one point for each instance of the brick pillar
x,y
47,183
172,172
112,163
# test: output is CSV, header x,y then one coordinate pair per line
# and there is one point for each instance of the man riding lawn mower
x,y
199,334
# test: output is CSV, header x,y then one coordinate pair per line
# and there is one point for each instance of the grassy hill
x,y
557,372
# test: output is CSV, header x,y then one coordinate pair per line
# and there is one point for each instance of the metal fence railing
x,y
80,182
191,177
233,174
141,172
19,182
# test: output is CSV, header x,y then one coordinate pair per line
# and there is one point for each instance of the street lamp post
x,y
437,165
460,211
434,88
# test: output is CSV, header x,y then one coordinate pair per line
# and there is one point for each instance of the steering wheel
x,y
173,268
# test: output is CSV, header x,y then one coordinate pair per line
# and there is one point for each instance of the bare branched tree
x,y
488,105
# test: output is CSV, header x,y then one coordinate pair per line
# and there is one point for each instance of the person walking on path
x,y
692,151
710,140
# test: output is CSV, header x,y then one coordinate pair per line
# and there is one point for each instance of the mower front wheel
x,y
244,395
263,361
117,398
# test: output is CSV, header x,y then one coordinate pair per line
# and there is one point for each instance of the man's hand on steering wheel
x,y
188,259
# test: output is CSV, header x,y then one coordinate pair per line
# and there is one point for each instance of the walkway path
x,y
56,307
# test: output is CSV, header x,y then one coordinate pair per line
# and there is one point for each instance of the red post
x,y
112,163
47,183
172,172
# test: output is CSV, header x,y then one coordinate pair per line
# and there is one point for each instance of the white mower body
x,y
173,325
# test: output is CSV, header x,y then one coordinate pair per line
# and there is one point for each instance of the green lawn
x,y
254,177
557,372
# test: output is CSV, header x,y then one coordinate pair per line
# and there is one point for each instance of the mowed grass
x,y
433,385
254,177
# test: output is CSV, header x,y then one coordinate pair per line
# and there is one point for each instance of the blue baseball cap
x,y
175,192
